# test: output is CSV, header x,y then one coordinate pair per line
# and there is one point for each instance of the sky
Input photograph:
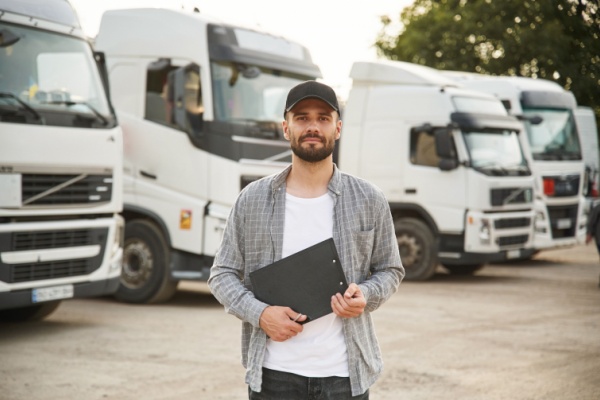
x,y
336,32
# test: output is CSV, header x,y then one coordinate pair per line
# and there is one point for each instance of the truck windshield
x,y
51,79
555,138
496,152
250,93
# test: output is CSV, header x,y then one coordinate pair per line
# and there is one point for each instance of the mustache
x,y
312,136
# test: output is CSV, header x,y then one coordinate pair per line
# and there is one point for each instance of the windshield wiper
x,y
520,169
492,166
70,103
24,106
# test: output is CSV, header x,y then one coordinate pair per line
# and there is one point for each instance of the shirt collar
x,y
335,184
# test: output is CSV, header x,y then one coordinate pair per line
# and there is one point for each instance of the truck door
x,y
433,179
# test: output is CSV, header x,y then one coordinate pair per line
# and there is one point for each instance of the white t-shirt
x,y
319,350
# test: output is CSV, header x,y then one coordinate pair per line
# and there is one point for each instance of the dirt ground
x,y
527,330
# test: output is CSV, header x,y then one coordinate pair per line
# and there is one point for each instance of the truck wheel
x,y
145,277
418,248
463,269
30,313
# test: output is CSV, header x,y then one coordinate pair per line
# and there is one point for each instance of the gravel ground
x,y
526,330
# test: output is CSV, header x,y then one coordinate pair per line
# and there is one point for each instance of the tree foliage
x,y
557,40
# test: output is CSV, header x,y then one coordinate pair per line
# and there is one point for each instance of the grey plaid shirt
x,y
363,232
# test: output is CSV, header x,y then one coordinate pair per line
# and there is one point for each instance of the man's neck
x,y
309,180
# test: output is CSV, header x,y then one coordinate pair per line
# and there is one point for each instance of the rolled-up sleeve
x,y
386,270
227,272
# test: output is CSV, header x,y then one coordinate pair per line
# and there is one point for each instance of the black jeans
x,y
277,385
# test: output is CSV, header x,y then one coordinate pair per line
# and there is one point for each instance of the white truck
x,y
553,148
449,161
200,103
60,163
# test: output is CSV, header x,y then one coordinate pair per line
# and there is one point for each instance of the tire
x,y
145,277
30,313
418,248
463,269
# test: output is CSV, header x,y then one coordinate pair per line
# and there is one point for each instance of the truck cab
x,y
60,163
553,146
201,104
449,161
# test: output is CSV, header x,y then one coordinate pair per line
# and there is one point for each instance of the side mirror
x,y
185,98
533,120
176,97
444,147
7,38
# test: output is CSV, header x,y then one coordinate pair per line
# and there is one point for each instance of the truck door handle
x,y
147,175
410,191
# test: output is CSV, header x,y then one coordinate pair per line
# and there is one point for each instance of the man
x,y
335,356
593,227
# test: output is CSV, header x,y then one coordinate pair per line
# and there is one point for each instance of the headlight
x,y
119,233
539,222
484,232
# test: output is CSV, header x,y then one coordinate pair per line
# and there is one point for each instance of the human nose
x,y
312,126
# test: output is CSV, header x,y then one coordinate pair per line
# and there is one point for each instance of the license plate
x,y
51,293
513,254
564,223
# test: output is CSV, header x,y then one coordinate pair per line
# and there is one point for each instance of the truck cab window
x,y
422,149
157,89
174,96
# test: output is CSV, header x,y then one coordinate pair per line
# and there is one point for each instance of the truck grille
x,y
509,223
51,239
503,196
45,189
506,241
558,214
34,271
49,270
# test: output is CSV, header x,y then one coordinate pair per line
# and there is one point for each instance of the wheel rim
x,y
138,264
410,250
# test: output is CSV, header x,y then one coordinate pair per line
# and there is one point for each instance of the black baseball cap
x,y
311,90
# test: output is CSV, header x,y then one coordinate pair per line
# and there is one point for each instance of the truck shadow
x,y
193,298
38,330
533,263
181,298
477,278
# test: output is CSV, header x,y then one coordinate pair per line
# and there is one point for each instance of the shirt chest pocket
x,y
362,248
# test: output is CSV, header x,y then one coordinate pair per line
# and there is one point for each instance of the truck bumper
x,y
483,258
560,225
24,298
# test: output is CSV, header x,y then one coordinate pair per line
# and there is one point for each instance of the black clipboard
x,y
303,281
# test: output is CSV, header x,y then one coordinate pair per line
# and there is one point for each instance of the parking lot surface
x,y
522,330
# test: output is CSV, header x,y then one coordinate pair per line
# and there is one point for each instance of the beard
x,y
312,153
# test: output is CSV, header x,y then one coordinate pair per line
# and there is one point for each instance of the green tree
x,y
557,40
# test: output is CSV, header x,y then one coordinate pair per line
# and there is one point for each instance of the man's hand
x,y
281,323
351,304
588,238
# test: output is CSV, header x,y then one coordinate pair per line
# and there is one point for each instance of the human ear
x,y
284,126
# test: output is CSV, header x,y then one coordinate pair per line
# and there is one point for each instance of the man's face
x,y
312,127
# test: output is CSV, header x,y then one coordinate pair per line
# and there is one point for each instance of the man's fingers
x,y
351,304
299,318
277,323
351,291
